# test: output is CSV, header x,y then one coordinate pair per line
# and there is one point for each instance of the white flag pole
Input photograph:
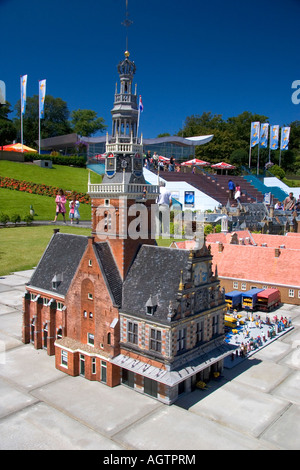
x,y
39,133
21,114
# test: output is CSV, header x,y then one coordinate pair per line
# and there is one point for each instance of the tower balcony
x,y
131,190
128,145
126,98
124,147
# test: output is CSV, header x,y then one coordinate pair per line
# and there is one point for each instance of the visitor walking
x,y
60,205
74,210
231,187
237,195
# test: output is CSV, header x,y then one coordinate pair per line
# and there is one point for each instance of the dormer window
x,y
151,305
56,281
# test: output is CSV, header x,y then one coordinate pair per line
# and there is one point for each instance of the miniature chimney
x,y
277,252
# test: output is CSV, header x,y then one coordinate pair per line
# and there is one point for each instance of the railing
x,y
125,97
124,147
123,188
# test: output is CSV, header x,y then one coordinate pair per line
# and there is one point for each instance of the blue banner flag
x,y
23,93
264,133
285,136
42,93
274,137
254,139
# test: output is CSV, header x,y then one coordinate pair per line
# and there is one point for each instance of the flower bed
x,y
40,189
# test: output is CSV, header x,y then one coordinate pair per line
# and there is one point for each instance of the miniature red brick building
x,y
115,307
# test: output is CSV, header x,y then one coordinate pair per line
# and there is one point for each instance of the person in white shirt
x,y
164,202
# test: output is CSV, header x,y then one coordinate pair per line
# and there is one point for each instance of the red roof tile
x,y
257,263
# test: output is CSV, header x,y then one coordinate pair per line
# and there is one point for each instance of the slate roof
x,y
155,273
59,262
110,271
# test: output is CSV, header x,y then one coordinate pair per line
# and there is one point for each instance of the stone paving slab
x,y
265,376
292,360
24,274
14,280
4,288
285,432
274,351
4,309
173,428
12,399
41,427
11,324
289,389
240,407
7,342
106,410
12,298
29,368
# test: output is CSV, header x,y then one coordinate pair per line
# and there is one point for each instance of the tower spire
x,y
127,22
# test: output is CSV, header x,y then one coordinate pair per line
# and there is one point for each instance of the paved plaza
x,y
254,405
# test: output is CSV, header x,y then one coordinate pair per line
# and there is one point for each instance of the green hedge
x,y
57,159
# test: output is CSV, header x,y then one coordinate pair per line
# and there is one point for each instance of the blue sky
x,y
192,56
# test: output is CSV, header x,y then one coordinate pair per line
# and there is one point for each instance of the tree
x,y
55,122
239,157
85,122
229,136
164,134
7,130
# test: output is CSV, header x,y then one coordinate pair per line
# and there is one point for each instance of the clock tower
x,y
121,204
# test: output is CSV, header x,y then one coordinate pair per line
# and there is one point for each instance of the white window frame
x,y
291,293
103,366
64,358
91,339
235,284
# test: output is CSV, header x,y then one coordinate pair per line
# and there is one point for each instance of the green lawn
x,y
65,177
68,178
18,202
22,247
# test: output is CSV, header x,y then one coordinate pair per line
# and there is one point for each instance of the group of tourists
x,y
61,202
158,164
235,191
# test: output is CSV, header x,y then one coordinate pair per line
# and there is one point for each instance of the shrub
x,y
277,171
14,218
28,218
57,159
208,229
4,218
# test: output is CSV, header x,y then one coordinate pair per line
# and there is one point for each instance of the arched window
x,y
59,333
